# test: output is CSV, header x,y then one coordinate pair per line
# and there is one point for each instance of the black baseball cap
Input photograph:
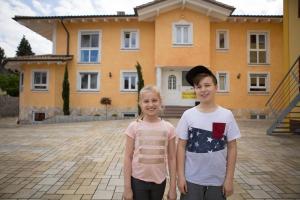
x,y
198,70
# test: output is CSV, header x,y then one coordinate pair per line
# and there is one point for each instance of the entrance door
x,y
176,91
171,87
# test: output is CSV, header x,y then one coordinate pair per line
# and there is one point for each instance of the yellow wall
x,y
112,60
293,29
235,62
168,55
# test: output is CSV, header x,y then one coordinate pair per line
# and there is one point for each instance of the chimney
x,y
120,12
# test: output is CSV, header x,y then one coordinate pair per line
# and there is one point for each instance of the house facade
x,y
167,38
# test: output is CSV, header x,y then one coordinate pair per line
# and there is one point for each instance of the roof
x,y
14,63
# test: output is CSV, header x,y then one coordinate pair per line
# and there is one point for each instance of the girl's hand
x,y
182,186
128,194
172,194
228,187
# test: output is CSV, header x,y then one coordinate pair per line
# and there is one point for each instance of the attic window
x,y
182,33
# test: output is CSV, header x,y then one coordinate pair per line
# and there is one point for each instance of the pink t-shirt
x,y
150,149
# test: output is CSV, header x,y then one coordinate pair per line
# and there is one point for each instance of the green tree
x,y
2,58
140,83
66,93
10,84
24,48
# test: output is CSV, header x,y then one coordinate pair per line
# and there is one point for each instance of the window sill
x,y
39,90
223,92
88,63
258,64
128,91
183,45
258,93
222,49
87,91
129,49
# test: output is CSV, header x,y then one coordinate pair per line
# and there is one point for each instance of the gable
x,y
215,10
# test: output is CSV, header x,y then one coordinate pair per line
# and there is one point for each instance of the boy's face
x,y
205,90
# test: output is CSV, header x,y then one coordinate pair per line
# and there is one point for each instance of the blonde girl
x,y
150,147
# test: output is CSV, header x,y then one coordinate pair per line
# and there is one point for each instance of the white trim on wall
x,y
268,50
122,80
267,83
137,39
226,39
190,34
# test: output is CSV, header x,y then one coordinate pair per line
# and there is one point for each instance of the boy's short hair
x,y
197,73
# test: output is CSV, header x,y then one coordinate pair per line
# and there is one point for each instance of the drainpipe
x,y
68,35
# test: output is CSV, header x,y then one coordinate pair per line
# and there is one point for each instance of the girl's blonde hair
x,y
149,88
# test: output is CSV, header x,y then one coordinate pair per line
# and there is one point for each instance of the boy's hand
x,y
228,187
172,194
128,194
182,186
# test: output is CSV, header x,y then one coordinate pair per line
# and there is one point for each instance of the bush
x,y
10,84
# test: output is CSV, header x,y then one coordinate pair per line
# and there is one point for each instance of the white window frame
x,y
190,33
89,81
122,72
227,81
267,47
82,32
123,31
226,39
33,85
267,82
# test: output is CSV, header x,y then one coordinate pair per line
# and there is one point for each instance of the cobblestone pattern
x,y
84,161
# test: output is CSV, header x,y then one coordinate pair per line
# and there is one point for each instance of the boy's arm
x,y
172,168
129,148
231,160
180,165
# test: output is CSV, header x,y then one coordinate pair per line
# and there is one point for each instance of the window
x,y
258,82
89,47
183,79
88,81
130,39
182,33
172,82
40,80
258,116
129,81
258,48
129,115
223,81
39,116
222,39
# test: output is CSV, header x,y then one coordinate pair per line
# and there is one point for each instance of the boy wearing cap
x,y
206,149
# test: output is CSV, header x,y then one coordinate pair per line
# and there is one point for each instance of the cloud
x,y
43,8
12,32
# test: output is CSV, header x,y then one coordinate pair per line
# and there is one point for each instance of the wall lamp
x,y
110,74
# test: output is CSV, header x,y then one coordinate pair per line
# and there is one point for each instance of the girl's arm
x,y
129,148
172,168
182,186
231,160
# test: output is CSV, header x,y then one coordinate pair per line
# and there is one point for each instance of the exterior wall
x,y
155,50
234,61
184,56
293,30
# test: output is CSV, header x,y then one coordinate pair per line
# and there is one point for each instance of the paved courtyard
x,y
84,161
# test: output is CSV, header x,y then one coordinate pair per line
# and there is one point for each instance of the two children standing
x,y
206,148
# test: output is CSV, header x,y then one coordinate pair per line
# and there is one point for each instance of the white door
x,y
171,87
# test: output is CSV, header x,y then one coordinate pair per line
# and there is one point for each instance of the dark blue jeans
x,y
200,192
143,190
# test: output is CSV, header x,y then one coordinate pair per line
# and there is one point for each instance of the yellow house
x,y
167,38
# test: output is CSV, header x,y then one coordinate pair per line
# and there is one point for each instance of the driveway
x,y
84,161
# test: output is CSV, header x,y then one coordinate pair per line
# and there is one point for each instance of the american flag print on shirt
x,y
202,141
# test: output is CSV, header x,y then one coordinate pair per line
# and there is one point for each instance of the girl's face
x,y
205,90
150,104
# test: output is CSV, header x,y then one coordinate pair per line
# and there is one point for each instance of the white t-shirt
x,y
207,135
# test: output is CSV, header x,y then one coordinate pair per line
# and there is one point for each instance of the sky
x,y
12,32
